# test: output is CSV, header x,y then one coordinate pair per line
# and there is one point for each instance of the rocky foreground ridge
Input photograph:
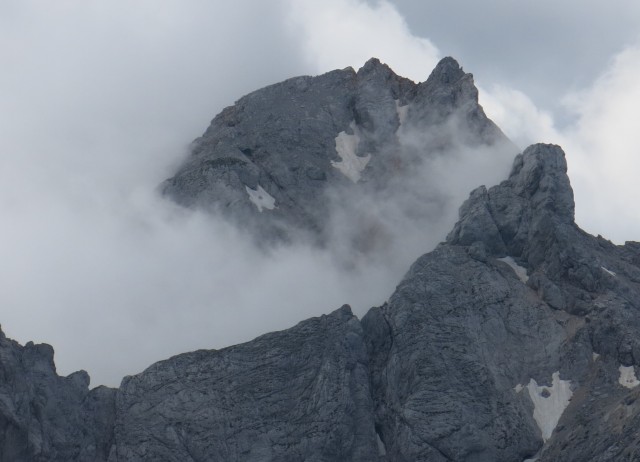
x,y
516,338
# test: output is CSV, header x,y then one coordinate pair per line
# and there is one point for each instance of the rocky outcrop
x,y
529,217
44,417
271,161
593,286
464,329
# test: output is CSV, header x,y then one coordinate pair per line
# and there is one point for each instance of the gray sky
x,y
100,99
545,48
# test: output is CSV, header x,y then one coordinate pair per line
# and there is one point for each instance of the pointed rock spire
x,y
540,175
447,71
374,65
536,196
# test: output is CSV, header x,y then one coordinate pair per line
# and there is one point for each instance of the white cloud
x,y
99,101
518,116
335,34
601,145
606,158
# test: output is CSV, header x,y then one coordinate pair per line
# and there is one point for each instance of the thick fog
x,y
98,104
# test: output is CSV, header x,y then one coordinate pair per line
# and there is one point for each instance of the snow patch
x,y
382,449
595,356
608,271
628,377
549,403
518,388
261,198
402,112
519,270
351,165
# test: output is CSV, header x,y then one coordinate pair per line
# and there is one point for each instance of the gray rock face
x,y
300,394
272,161
594,283
44,417
517,338
454,352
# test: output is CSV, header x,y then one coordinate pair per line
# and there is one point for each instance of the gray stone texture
x,y
300,394
592,284
44,417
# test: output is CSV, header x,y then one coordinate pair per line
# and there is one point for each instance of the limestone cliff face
x,y
516,338
44,417
300,394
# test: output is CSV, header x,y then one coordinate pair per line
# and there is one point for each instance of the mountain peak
x,y
271,157
375,69
447,71
372,63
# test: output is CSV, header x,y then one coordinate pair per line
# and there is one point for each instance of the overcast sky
x,y
98,101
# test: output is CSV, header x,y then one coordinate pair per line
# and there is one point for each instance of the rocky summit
x,y
277,160
517,338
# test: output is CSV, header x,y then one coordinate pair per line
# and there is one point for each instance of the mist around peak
x,y
115,276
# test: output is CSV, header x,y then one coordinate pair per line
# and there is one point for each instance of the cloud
x,y
522,121
335,34
607,158
383,228
99,103
115,288
601,145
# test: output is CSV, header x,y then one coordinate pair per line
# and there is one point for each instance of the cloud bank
x,y
99,103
